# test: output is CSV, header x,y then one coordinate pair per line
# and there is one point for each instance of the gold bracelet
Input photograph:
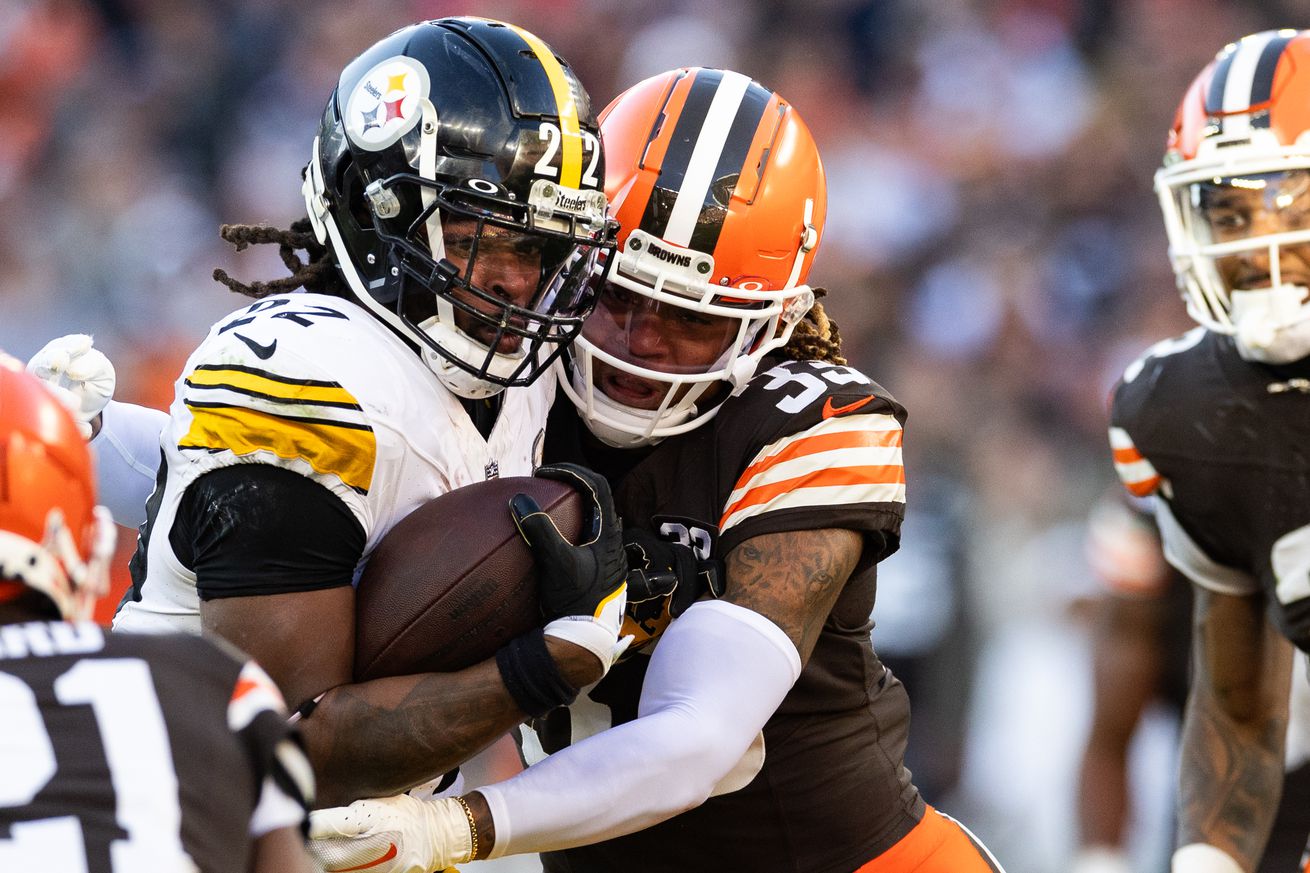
x,y
473,827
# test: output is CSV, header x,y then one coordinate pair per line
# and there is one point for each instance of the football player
x,y
455,214
755,729
1215,423
1141,639
111,744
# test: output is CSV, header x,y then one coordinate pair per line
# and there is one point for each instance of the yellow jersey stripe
x,y
247,380
330,448
570,129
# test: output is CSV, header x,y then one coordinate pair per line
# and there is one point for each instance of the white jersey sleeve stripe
x,y
254,693
819,496
815,462
850,459
867,430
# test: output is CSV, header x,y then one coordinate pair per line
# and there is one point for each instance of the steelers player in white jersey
x,y
454,209
112,743
1215,423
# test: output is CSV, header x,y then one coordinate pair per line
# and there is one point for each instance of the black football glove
x,y
660,569
574,579
582,588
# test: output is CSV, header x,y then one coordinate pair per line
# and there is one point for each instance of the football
x,y
454,580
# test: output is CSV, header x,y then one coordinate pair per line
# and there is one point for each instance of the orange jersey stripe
x,y
1127,456
243,687
851,439
1144,487
885,474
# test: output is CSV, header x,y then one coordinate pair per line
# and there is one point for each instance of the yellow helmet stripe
x,y
249,381
571,146
330,448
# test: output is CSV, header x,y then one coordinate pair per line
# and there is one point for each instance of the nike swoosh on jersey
x,y
263,352
829,410
843,460
391,853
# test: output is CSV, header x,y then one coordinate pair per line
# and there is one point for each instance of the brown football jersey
x,y
1223,442
132,753
807,445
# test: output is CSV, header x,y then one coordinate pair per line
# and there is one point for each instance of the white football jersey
x,y
317,385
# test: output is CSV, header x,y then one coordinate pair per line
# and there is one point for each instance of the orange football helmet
x,y
720,196
1235,192
53,536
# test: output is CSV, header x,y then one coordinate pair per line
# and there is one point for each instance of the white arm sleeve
x,y
127,458
718,673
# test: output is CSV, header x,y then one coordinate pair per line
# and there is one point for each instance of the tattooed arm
x,y
380,737
1231,768
793,579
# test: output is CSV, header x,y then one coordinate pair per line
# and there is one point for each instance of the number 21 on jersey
x,y
122,698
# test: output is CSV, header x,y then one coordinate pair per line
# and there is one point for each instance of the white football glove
x,y
391,835
79,375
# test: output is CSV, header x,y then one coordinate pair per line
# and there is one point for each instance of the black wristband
x,y
531,676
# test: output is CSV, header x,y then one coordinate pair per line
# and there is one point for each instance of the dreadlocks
x,y
815,337
317,273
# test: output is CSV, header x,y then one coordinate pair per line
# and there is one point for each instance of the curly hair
x,y
316,273
816,337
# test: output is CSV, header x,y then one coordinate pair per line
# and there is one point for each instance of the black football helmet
x,y
458,179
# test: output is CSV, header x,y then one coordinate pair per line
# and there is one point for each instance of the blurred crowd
x,y
994,254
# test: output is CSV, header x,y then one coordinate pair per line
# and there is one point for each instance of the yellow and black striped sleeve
x,y
243,410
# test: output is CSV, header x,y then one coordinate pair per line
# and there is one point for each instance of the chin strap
x,y
809,239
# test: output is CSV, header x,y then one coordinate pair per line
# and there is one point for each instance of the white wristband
x,y
599,633
1203,858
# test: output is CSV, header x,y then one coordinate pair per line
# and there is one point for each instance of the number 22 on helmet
x,y
720,197
456,177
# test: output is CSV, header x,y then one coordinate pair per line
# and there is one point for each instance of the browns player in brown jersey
x,y
121,753
1216,423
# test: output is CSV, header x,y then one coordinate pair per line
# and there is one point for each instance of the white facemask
x,y
1272,325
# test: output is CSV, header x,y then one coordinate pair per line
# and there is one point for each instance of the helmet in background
x,y
53,536
1235,192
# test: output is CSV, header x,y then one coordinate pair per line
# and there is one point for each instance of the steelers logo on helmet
x,y
387,103
422,181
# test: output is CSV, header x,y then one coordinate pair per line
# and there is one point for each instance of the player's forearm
x,y
1231,779
1231,762
382,737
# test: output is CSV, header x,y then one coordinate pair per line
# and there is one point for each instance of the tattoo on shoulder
x,y
793,578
